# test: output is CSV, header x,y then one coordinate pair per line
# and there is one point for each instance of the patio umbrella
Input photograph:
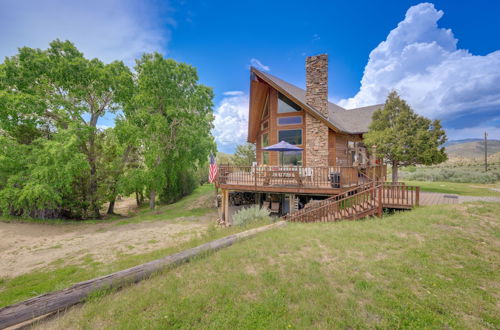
x,y
282,147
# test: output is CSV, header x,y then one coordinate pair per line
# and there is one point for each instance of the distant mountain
x,y
471,148
453,142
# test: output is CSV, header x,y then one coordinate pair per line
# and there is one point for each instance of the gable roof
x,y
353,121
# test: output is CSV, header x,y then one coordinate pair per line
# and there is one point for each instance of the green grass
x,y
162,212
467,189
59,276
434,267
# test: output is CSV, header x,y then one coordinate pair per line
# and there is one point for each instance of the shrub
x,y
249,215
460,175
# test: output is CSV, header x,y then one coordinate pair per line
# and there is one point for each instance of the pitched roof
x,y
353,121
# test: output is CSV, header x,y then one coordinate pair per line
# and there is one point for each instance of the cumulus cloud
x,y
259,65
231,121
107,29
421,61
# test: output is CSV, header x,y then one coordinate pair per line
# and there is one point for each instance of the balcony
x,y
296,179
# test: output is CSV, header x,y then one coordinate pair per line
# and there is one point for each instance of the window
x,y
265,113
264,125
265,140
286,105
292,136
265,157
296,120
291,158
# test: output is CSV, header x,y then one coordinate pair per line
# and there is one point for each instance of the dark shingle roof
x,y
353,121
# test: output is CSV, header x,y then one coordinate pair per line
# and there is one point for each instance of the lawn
x,y
434,267
467,189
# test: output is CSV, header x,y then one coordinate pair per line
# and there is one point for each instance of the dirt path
x,y
433,198
25,247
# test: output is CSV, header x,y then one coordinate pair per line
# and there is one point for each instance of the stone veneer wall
x,y
317,96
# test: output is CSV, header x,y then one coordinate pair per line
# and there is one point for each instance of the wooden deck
x,y
297,180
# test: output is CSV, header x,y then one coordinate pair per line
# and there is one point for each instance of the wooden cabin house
x,y
334,158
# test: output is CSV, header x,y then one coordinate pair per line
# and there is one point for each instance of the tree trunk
x,y
394,172
137,200
152,197
111,207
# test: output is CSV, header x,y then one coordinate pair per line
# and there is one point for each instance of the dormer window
x,y
286,105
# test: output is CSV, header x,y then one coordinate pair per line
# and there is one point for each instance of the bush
x,y
460,175
249,215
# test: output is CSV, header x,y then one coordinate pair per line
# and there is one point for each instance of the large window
x,y
286,105
292,136
295,120
291,158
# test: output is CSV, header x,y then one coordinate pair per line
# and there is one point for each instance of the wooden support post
x,y
417,196
225,197
380,191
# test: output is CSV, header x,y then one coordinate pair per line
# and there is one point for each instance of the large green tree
x,y
402,137
50,104
173,113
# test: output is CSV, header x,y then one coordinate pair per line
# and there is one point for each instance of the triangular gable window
x,y
265,113
286,105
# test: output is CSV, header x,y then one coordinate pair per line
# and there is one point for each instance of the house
x,y
333,160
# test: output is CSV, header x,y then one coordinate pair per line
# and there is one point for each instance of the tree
x,y
50,104
402,137
174,114
244,155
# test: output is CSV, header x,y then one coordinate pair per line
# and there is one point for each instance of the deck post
x,y
417,196
380,190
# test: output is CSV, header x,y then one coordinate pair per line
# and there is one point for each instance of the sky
x,y
443,57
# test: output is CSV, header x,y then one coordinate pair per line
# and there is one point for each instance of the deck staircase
x,y
364,200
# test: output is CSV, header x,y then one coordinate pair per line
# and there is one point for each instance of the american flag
x,y
212,173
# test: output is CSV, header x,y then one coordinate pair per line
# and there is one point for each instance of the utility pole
x,y
485,152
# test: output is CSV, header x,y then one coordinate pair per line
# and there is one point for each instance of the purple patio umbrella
x,y
282,146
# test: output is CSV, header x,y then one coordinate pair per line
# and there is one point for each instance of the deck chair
x,y
265,205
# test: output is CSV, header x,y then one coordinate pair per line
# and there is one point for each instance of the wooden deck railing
x,y
400,195
359,205
293,176
362,201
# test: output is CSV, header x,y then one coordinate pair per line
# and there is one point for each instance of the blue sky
x,y
442,56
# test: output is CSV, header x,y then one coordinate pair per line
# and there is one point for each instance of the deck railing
x,y
358,205
295,176
400,195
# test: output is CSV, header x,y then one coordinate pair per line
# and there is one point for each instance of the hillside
x,y
474,149
434,267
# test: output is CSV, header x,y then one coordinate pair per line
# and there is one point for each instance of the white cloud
x,y
233,93
421,61
259,65
107,29
231,121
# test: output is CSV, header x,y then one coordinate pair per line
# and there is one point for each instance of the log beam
x,y
60,300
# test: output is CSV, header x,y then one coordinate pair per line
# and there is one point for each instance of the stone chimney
x,y
317,83
316,148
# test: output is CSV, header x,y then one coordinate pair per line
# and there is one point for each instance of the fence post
x,y
417,196
380,190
